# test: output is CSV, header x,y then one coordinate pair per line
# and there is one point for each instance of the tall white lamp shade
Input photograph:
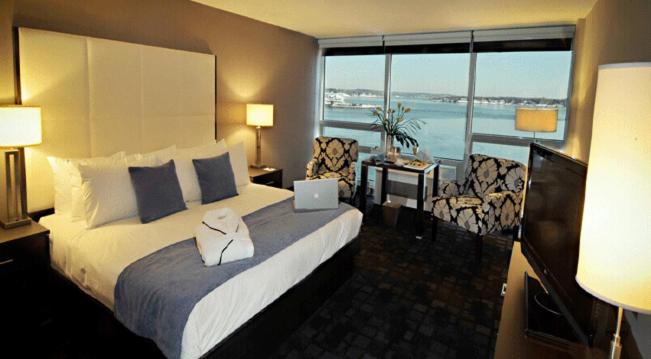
x,y
20,126
615,249
260,115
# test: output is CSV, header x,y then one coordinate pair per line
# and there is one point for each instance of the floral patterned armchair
x,y
488,200
334,158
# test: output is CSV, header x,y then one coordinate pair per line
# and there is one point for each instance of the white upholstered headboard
x,y
102,96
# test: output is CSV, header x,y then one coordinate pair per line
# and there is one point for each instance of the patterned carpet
x,y
410,298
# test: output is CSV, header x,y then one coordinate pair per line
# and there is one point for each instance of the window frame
x,y
489,41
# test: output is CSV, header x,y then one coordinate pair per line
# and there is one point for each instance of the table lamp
x,y
259,115
20,126
615,249
536,119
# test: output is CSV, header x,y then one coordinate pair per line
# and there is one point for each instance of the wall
x,y
256,62
613,31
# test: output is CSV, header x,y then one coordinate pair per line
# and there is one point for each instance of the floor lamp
x,y
20,126
259,115
615,249
536,119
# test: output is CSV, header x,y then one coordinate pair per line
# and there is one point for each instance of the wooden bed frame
x,y
94,324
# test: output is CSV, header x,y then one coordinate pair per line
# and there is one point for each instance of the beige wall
x,y
613,31
256,62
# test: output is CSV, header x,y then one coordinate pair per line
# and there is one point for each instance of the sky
x,y
519,74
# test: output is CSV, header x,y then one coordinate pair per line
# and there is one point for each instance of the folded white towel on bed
x,y
223,237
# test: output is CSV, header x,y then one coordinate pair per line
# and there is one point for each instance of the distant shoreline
x,y
338,98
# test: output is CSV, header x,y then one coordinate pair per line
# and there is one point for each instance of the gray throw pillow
x,y
216,178
158,192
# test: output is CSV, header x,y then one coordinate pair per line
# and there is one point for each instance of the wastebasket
x,y
390,212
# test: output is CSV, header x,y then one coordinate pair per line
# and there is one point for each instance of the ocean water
x,y
443,126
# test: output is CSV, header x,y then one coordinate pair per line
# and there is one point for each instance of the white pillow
x,y
237,155
159,156
107,191
185,168
62,196
67,182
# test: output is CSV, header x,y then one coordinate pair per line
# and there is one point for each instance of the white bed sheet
x,y
94,258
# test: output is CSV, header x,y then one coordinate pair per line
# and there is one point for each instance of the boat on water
x,y
338,100
360,106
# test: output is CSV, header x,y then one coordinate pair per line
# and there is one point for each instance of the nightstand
x,y
273,178
24,268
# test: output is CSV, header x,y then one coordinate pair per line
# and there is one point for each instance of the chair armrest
x,y
502,210
499,197
312,168
448,188
351,171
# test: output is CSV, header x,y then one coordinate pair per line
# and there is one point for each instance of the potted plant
x,y
396,126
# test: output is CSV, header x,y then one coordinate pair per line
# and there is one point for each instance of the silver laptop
x,y
316,194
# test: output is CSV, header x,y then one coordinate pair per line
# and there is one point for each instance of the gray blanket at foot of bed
x,y
155,295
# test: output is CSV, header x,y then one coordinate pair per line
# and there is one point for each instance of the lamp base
x,y
15,214
258,165
15,223
615,343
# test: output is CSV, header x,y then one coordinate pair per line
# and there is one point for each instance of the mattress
x,y
94,258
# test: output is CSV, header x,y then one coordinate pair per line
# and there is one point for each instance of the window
x,y
435,87
465,87
353,86
507,80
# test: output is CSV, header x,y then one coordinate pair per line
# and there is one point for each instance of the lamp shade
x,y
260,115
615,250
20,126
536,119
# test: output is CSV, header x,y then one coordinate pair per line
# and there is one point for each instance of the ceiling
x,y
333,18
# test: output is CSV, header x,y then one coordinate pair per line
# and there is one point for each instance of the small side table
x,y
272,177
386,166
24,270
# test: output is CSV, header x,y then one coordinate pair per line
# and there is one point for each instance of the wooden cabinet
x,y
24,296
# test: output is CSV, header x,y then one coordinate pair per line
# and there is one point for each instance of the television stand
x,y
544,322
512,343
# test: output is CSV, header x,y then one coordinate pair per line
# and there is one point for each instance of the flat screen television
x,y
550,235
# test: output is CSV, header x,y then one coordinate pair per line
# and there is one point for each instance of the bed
x,y
92,107
94,258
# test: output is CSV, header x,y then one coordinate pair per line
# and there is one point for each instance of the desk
x,y
386,166
511,341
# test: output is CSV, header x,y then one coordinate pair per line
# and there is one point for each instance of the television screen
x,y
551,229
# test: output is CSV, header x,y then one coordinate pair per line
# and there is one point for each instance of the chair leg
x,y
434,227
479,247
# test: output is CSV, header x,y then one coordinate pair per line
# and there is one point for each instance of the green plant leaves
x,y
394,123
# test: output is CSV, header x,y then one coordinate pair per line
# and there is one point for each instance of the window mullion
x,y
471,101
387,88
320,94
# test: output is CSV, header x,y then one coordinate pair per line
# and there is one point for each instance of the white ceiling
x,y
333,18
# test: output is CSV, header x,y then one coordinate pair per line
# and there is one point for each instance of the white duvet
x,y
94,258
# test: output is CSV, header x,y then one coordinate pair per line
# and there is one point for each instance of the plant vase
x,y
388,146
